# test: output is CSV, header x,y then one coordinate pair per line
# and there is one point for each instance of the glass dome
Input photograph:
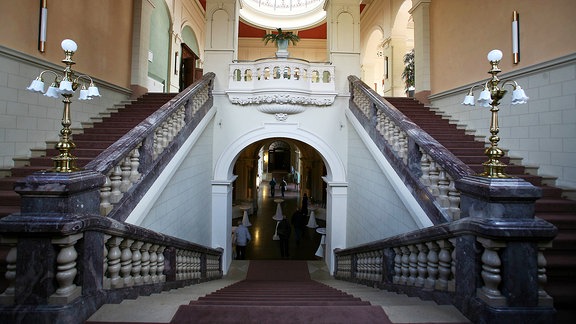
x,y
285,14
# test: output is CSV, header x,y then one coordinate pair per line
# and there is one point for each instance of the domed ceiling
x,y
285,14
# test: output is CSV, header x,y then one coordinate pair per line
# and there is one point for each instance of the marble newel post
x,y
51,244
509,265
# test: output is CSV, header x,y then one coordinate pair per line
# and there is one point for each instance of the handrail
x,y
427,167
132,163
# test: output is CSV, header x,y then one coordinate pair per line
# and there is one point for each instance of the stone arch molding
x,y
335,170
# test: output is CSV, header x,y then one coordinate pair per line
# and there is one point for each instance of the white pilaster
x,y
336,220
343,20
421,14
222,219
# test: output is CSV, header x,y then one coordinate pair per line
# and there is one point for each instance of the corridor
x,y
262,247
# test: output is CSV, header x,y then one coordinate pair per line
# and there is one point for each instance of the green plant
x,y
409,72
280,35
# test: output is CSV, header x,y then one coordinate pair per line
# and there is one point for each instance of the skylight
x,y
285,14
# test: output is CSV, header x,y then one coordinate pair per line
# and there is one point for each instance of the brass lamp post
x,y
490,97
65,84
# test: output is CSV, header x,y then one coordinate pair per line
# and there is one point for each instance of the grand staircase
x,y
552,207
92,141
277,291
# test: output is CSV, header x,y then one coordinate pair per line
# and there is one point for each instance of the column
x,y
140,45
222,219
421,14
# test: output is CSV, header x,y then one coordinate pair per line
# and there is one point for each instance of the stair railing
x,y
426,167
485,252
132,163
65,260
471,263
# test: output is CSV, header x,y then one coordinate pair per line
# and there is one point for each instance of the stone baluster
x,y
425,167
165,135
154,263
125,166
444,264
105,192
116,181
422,264
134,164
491,263
179,265
105,280
395,138
397,265
544,300
146,279
157,142
443,187
413,265
387,129
137,262
7,297
196,265
452,281
405,265
66,270
402,146
114,254
432,261
453,200
126,263
161,259
433,178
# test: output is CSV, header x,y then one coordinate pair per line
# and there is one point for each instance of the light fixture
x,y
65,85
490,96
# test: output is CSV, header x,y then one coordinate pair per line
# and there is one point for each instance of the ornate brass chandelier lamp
x,y
65,85
490,96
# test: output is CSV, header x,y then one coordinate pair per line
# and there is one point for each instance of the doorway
x,y
189,67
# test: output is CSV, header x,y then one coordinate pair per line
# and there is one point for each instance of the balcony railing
x,y
281,85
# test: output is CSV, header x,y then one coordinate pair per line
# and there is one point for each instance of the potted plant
x,y
408,73
281,39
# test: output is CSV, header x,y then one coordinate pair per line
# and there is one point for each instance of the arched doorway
x,y
255,205
333,176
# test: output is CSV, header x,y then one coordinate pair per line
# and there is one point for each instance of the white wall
x,y
179,204
376,209
543,131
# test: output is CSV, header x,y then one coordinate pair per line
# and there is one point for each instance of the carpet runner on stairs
x,y
89,144
552,207
279,291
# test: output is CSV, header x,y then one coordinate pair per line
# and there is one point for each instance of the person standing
x,y
272,187
242,239
283,186
284,230
305,205
299,223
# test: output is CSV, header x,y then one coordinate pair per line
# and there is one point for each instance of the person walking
x,y
242,239
284,230
272,188
283,186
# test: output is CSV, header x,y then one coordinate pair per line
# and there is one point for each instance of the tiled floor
x,y
262,247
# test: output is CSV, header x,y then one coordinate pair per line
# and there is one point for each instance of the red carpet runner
x,y
279,292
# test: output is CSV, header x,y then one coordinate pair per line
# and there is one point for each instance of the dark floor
x,y
262,247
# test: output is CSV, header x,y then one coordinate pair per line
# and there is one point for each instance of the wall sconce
x,y
515,37
490,97
65,84
43,22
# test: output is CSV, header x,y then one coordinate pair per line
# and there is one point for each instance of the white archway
x,y
337,195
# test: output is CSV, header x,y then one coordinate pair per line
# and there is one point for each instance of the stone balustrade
x,y
131,161
420,160
466,263
281,85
